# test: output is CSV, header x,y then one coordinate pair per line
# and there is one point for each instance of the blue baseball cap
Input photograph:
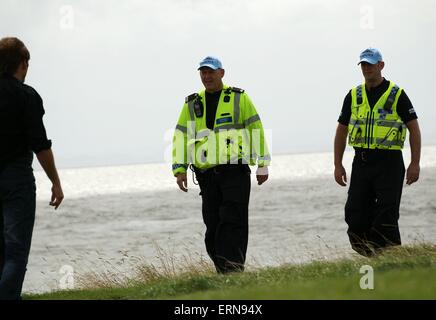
x,y
211,62
370,55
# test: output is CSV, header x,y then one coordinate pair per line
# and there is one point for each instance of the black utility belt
x,y
369,155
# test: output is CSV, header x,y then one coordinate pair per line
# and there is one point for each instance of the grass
x,y
399,273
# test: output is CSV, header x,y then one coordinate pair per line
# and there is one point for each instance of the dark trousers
x,y
373,204
17,216
225,192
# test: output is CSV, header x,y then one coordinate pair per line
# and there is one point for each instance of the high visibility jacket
x,y
237,136
379,128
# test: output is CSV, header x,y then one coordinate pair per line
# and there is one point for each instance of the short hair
x,y
12,53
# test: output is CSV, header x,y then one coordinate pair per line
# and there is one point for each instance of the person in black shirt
x,y
375,116
22,133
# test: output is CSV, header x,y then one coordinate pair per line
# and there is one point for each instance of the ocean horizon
x,y
113,218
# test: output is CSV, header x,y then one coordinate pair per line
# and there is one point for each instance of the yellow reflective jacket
x,y
237,136
379,128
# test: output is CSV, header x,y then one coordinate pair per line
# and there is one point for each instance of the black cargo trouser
x,y
372,210
17,217
225,192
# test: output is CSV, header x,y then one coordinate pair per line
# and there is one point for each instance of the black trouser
x,y
225,191
17,216
373,204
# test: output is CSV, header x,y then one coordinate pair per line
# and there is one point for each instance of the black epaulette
x,y
191,97
239,90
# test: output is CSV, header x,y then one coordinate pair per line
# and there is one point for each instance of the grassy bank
x,y
399,273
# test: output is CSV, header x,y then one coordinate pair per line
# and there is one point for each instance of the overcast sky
x,y
113,74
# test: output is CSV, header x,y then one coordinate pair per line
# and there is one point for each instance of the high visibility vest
x,y
237,135
379,128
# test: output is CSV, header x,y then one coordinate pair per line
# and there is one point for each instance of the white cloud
x,y
114,83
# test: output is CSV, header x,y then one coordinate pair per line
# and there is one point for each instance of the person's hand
x,y
182,181
261,175
341,175
412,174
56,195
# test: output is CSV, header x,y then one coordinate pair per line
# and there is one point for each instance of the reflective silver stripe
x,y
354,122
379,141
369,121
236,107
391,98
191,109
389,143
203,133
251,120
233,160
267,157
390,124
191,129
229,127
358,122
182,128
358,140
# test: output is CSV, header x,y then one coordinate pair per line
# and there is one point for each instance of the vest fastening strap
x,y
191,110
236,106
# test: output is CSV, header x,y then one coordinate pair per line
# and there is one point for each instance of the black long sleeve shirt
x,y
21,125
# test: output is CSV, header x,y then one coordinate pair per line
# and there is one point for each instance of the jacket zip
x,y
368,116
372,128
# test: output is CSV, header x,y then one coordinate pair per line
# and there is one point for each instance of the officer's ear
x,y
222,72
381,65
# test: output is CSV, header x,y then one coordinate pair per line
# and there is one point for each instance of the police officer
x,y
22,133
220,133
375,116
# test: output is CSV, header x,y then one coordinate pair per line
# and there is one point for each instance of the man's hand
x,y
182,181
56,196
341,175
46,159
338,153
412,174
261,175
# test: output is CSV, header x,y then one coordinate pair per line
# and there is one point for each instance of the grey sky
x,y
113,74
